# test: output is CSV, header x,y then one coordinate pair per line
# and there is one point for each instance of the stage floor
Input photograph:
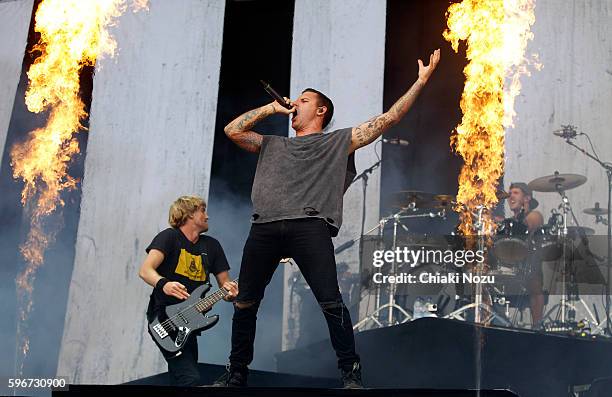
x,y
153,391
451,354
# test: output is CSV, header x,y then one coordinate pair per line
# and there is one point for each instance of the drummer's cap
x,y
533,203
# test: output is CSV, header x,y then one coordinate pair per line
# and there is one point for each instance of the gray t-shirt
x,y
303,177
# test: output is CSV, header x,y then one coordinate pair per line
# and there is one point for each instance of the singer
x,y
297,209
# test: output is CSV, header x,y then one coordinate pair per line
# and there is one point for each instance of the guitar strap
x,y
206,264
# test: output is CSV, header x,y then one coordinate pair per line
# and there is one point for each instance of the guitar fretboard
x,y
207,302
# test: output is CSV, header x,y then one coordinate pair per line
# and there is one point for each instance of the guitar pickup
x,y
161,331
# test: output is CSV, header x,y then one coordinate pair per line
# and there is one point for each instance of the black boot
x,y
232,377
351,378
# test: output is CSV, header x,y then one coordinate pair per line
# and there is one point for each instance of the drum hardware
x,y
391,304
576,272
510,244
561,183
483,311
480,225
554,240
599,214
486,314
546,244
421,200
607,166
503,301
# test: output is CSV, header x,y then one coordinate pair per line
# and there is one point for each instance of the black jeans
x,y
183,370
308,242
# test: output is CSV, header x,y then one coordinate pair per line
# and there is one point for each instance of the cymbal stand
x,y
480,226
565,298
565,307
391,305
607,166
478,305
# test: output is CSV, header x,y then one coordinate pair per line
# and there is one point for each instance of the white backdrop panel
x,y
14,24
151,138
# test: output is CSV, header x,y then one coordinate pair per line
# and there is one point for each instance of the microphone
x,y
344,246
566,132
396,141
275,95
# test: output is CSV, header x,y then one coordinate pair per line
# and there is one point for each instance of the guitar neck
x,y
206,303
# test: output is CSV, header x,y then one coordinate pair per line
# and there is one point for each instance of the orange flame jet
x,y
73,34
496,33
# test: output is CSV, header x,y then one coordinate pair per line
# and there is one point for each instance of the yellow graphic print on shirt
x,y
190,266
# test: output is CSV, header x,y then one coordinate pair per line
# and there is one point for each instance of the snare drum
x,y
511,245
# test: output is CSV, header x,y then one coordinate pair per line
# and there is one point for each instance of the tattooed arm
x,y
367,132
239,130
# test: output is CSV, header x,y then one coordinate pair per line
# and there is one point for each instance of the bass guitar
x,y
172,328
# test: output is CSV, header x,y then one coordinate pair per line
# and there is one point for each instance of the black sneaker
x,y
351,379
232,378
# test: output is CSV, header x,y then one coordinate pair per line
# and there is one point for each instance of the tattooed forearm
x,y
367,132
248,140
370,130
239,130
401,107
246,121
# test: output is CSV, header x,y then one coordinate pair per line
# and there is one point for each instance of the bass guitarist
x,y
179,260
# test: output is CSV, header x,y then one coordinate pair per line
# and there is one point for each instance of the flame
x,y
73,34
496,33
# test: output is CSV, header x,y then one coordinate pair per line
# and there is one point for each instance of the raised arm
x,y
367,132
239,130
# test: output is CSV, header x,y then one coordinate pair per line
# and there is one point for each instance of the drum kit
x,y
509,258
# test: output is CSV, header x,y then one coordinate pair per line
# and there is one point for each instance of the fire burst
x,y
496,33
73,34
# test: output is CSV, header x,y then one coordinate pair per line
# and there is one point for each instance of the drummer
x,y
523,204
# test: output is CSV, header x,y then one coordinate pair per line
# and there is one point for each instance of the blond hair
x,y
184,207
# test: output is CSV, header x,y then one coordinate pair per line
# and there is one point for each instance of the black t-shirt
x,y
188,263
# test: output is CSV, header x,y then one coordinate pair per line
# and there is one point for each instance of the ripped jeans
x,y
308,242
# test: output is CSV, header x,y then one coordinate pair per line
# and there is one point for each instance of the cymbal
x,y
423,240
420,200
575,230
444,200
597,210
552,183
405,198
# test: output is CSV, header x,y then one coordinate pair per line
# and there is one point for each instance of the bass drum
x,y
510,245
546,244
